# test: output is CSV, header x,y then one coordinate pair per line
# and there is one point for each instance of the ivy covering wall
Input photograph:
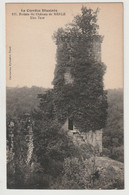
x,y
79,50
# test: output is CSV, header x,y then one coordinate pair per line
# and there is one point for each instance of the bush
x,y
118,153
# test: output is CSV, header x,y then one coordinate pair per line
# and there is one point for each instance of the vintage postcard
x,y
64,86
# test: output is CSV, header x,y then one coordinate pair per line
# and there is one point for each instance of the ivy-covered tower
x,y
80,100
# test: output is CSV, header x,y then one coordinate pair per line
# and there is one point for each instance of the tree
x,y
113,132
81,96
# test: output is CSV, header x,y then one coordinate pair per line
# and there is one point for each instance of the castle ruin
x,y
93,138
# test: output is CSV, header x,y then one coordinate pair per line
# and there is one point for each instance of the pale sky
x,y
33,52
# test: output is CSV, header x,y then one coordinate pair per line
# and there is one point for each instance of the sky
x,y
31,51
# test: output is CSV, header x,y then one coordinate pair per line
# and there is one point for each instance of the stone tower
x,y
93,53
91,137
80,100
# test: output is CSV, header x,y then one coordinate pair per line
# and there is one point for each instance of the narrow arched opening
x,y
70,124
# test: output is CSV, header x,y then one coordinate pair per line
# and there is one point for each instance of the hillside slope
x,y
21,100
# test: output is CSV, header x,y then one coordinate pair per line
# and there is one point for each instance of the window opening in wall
x,y
70,124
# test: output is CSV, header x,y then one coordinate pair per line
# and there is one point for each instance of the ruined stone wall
x,y
91,137
96,50
94,138
67,76
30,145
92,53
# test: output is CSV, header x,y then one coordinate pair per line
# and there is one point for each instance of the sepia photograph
x,y
64,96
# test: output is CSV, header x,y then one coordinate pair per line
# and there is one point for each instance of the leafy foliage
x,y
17,164
113,139
55,156
22,100
84,100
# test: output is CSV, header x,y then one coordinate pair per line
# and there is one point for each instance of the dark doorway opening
x,y
70,124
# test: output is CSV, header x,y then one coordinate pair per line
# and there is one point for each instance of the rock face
x,y
93,138
111,173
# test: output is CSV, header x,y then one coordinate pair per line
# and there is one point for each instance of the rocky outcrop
x,y
110,172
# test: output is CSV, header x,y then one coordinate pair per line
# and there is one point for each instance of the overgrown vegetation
x,y
21,100
54,151
113,135
56,162
78,50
